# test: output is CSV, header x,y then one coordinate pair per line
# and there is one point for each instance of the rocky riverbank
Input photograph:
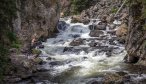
x,y
35,21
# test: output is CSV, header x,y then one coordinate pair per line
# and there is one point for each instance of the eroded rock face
x,y
135,42
36,19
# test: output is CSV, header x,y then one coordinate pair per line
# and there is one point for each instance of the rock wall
x,y
36,19
136,38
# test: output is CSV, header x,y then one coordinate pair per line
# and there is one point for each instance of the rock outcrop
x,y
36,20
136,38
104,10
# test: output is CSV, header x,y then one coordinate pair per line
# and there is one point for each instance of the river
x,y
84,63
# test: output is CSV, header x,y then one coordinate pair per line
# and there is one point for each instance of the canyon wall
x,y
136,38
36,20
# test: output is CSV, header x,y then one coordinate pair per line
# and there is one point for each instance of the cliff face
x,y
36,19
136,38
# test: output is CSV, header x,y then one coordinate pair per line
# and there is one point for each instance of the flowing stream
x,y
84,63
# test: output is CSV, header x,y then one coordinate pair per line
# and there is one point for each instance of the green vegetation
x,y
114,10
7,37
36,51
79,5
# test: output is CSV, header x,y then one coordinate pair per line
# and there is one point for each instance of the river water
x,y
82,64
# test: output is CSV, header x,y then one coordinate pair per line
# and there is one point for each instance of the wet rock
x,y
62,26
76,28
42,70
74,36
131,59
85,57
42,62
85,21
113,32
67,49
77,42
121,73
92,44
91,27
41,46
50,58
101,26
111,42
55,63
95,33
109,54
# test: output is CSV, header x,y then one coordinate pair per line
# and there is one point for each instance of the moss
x,y
80,5
36,51
114,10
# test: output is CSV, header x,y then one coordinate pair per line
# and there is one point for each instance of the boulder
x,y
101,26
41,46
121,33
95,33
110,18
122,30
76,42
91,27
62,26
76,19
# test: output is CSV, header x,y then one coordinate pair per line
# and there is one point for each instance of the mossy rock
x,y
36,51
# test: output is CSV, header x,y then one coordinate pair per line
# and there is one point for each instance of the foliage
x,y
7,13
80,5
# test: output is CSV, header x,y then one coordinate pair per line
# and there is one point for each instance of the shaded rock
x,y
42,62
109,54
41,46
13,50
55,63
74,36
12,79
92,44
85,57
62,26
101,26
49,58
112,32
76,42
42,70
95,33
91,27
